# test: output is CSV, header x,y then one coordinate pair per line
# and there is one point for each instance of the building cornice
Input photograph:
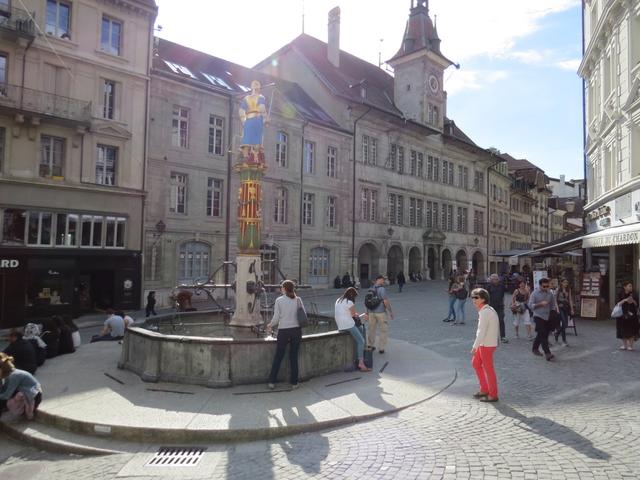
x,y
630,186
597,41
82,187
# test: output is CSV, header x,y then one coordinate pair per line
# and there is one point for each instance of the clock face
x,y
433,84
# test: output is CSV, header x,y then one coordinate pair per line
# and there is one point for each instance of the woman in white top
x,y
345,312
285,315
484,346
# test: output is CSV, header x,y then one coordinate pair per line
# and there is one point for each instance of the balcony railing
x,y
18,21
45,104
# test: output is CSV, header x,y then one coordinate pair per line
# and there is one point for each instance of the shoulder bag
x,y
617,311
301,314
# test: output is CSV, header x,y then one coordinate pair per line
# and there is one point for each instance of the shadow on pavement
x,y
546,427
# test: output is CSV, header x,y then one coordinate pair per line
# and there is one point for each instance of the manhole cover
x,y
177,457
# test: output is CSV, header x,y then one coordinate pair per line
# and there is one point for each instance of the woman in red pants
x,y
484,346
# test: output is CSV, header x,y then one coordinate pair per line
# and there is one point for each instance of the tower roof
x,y
420,33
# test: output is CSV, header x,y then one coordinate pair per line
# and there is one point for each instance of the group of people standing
x,y
285,318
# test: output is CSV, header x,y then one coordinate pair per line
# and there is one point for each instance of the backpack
x,y
462,293
371,299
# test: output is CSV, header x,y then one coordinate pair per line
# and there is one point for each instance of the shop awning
x,y
570,242
511,253
624,235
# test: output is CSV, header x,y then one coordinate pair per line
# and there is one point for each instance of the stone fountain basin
x,y
176,348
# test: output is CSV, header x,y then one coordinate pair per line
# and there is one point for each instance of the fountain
x,y
226,347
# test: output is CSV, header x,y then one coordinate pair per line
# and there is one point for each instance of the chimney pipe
x,y
333,43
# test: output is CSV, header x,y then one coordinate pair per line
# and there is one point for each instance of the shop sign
x,y
603,211
128,284
9,263
609,240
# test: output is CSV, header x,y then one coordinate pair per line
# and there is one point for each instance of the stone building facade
x,y
419,181
73,102
611,72
191,221
499,216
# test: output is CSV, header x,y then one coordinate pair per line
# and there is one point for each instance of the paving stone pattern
x,y
577,417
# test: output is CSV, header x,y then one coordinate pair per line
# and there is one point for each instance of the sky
x,y
517,89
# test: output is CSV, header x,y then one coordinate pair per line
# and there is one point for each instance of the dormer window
x,y
216,81
180,69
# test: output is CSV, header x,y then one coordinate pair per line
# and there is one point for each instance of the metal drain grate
x,y
177,457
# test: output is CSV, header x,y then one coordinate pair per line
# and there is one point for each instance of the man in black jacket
x,y
496,291
22,351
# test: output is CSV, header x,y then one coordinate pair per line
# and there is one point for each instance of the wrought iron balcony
x,y
16,23
27,101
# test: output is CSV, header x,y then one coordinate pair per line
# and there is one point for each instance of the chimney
x,y
333,43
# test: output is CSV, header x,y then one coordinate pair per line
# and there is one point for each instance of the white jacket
x,y
488,328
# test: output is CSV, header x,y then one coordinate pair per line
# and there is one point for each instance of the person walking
x,y
150,308
519,301
541,302
484,346
401,281
379,315
627,324
564,299
346,315
451,316
496,291
461,294
285,317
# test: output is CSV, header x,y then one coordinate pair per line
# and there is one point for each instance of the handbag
x,y
301,315
617,311
357,320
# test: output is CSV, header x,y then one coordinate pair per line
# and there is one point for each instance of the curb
x,y
176,436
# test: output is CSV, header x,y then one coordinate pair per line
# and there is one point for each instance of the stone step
x,y
55,440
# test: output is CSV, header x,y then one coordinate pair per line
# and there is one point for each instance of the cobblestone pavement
x,y
577,417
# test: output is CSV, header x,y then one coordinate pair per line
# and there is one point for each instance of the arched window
x,y
280,206
319,265
193,261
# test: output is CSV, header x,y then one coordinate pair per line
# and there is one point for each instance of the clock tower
x,y
418,67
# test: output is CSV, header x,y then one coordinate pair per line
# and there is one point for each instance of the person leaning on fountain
x,y
289,332
346,317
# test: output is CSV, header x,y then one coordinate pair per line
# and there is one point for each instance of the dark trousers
x,y
500,311
291,336
542,335
149,309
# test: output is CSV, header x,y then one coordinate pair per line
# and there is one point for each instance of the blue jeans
x,y
452,311
564,323
357,336
460,307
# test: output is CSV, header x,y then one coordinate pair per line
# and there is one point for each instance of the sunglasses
x,y
475,298
544,286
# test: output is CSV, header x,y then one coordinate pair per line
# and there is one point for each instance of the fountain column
x,y
250,167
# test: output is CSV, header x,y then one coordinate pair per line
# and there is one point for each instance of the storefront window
x,y
13,226
120,232
114,232
67,230
50,282
92,231
96,241
40,224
